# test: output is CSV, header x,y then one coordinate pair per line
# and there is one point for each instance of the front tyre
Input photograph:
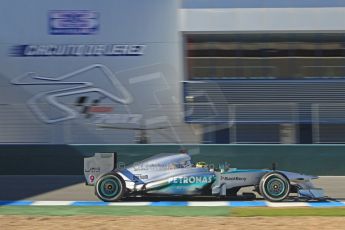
x,y
274,186
110,187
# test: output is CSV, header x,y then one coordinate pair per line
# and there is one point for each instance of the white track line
x,y
52,203
130,204
287,204
208,203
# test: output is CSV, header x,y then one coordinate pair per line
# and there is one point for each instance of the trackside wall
x,y
68,159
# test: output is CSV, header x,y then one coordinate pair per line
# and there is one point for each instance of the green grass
x,y
168,211
116,211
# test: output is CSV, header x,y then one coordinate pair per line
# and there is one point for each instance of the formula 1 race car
x,y
175,175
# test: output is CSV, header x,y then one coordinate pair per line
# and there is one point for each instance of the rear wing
x,y
97,165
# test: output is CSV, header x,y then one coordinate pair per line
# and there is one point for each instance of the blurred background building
x,y
265,71
188,71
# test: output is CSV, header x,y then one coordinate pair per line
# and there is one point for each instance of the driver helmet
x,y
201,164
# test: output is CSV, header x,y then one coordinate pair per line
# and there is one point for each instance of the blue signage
x,y
73,22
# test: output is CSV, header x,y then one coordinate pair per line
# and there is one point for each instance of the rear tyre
x,y
274,186
110,187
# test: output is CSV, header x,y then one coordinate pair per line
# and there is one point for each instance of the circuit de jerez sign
x,y
77,50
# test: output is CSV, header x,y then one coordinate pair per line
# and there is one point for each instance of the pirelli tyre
x,y
274,186
110,187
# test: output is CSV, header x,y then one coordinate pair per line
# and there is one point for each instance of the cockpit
x,y
163,161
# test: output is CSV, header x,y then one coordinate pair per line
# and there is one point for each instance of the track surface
x,y
72,188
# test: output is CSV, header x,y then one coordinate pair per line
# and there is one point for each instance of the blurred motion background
x,y
77,77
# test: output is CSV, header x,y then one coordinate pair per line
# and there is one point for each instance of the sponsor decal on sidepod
x,y
191,179
232,178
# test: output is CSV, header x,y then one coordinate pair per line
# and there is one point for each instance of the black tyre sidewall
x,y
269,176
117,178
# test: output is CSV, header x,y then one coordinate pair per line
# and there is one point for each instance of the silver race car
x,y
175,175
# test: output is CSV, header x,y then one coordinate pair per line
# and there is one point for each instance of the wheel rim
x,y
276,187
109,187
